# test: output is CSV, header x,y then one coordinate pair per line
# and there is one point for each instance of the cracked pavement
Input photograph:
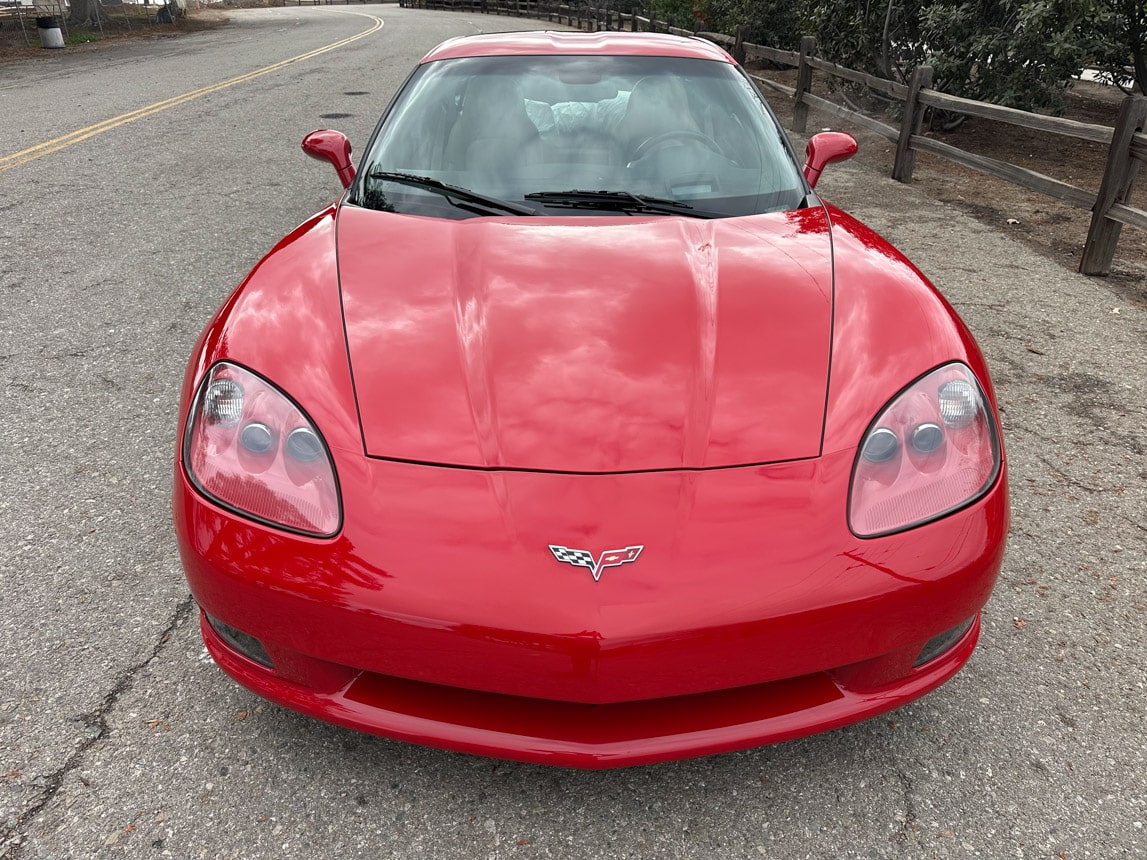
x,y
118,736
94,727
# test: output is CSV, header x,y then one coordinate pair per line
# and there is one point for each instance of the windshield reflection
x,y
677,129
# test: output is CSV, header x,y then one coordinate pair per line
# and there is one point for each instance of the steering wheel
x,y
684,134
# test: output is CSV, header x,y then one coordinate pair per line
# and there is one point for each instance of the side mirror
x,y
824,149
331,146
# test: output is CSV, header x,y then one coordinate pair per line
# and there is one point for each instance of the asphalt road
x,y
118,736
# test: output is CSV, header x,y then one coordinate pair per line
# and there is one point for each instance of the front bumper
x,y
439,616
592,736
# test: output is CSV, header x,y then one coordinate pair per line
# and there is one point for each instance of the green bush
x,y
882,39
1021,53
766,22
1122,36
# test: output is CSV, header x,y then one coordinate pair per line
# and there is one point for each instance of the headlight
x,y
251,449
932,450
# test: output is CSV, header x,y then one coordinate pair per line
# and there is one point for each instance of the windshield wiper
x,y
621,201
466,199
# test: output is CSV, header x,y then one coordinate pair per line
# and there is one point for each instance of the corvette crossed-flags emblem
x,y
583,558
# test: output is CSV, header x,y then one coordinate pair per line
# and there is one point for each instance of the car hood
x,y
588,344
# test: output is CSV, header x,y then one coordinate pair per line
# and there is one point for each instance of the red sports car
x,y
580,430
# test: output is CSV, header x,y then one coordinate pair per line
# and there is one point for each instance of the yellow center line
x,y
7,162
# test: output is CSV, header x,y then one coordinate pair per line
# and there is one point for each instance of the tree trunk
x,y
1136,35
85,12
1140,66
885,59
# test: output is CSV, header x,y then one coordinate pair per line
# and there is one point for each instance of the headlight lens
x,y
251,449
932,450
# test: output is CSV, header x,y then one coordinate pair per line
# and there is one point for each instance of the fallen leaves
x,y
1018,623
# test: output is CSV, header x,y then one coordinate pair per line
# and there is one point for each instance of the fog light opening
x,y
938,645
244,643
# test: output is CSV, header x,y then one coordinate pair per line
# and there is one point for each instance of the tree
x,y
1123,36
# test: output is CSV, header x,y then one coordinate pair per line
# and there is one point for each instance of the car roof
x,y
552,42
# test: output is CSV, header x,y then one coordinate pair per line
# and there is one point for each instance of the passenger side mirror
x,y
332,146
825,148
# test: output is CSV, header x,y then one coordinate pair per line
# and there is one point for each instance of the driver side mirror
x,y
332,146
824,149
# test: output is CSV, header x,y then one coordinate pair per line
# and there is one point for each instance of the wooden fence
x,y
1126,142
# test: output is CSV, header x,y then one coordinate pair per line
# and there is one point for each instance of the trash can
x,y
49,29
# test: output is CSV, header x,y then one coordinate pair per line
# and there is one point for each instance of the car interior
x,y
509,127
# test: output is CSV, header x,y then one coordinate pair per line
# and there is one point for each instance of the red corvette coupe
x,y
582,431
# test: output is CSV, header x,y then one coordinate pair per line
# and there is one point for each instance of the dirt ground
x,y
1053,228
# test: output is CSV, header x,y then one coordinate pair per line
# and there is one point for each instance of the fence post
x,y
911,123
804,84
1118,181
739,47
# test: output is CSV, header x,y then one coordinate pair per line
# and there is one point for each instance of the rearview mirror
x,y
824,149
332,146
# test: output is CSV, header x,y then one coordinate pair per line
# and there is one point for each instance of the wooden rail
x,y
1126,141
1039,122
880,85
1010,172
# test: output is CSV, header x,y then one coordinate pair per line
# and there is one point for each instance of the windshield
x,y
666,135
